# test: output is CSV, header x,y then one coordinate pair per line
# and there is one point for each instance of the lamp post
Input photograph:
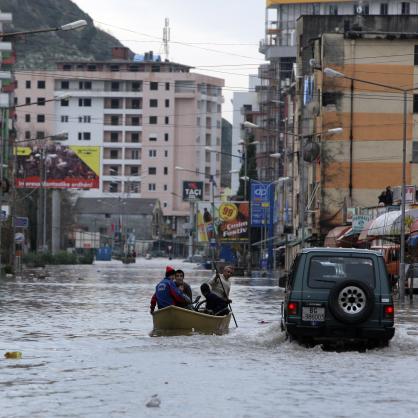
x,y
329,72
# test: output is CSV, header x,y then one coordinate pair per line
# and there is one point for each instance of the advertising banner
x,y
224,222
192,190
60,167
359,222
263,203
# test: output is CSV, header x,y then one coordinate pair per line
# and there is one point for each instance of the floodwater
x,y
84,335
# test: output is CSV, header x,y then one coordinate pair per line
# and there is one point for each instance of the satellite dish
x,y
311,152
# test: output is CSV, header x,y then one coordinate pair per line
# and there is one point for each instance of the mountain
x,y
41,51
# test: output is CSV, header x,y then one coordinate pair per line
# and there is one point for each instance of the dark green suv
x,y
336,296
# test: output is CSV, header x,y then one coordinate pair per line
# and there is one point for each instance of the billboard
x,y
192,190
264,202
223,222
274,2
64,167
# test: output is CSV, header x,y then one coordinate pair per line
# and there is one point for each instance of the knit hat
x,y
169,271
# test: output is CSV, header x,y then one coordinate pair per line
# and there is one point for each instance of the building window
x,y
165,187
114,67
40,118
166,137
153,85
114,154
115,104
136,86
114,170
333,10
384,9
167,120
84,136
135,154
65,102
114,120
84,85
27,134
152,187
64,118
165,204
27,118
167,86
152,171
134,171
40,134
165,153
135,121
67,67
167,102
152,153
415,103
152,138
28,84
153,120
91,67
135,137
27,100
166,171
113,187
40,101
65,85
153,103
405,10
84,102
41,84
114,136
87,119
415,152
136,104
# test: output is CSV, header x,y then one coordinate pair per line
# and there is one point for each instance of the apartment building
x,y
147,116
279,48
353,167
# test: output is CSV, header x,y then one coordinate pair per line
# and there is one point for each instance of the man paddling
x,y
167,293
221,285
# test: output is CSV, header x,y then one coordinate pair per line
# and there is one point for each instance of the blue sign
x,y
21,222
262,203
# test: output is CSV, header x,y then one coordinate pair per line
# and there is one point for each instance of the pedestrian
x,y
220,283
214,304
167,293
182,285
382,198
389,196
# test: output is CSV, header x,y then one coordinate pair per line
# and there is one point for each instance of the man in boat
x,y
214,304
220,284
167,293
183,286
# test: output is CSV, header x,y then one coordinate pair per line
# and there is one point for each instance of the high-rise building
x,y
279,48
147,116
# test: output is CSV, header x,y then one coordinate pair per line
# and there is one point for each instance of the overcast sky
x,y
205,24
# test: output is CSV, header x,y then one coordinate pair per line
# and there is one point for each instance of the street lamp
x,y
329,72
68,26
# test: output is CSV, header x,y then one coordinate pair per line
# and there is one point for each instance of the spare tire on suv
x,y
351,301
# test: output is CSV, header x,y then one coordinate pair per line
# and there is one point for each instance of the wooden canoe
x,y
175,318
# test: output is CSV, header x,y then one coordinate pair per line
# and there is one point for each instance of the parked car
x,y
336,296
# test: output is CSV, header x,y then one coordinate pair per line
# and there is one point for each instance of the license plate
x,y
313,313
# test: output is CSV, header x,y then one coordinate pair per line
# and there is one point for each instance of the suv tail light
x,y
389,311
292,308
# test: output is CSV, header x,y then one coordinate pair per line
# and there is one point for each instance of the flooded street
x,y
84,335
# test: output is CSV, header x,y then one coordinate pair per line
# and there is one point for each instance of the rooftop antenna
x,y
166,37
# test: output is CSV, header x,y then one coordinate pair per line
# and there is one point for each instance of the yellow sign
x,y
23,151
228,211
278,2
90,155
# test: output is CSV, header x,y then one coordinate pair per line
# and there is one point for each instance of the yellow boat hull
x,y
175,318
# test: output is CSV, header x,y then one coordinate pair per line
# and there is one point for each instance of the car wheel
x,y
351,301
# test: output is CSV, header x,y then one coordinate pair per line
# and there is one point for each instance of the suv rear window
x,y
325,271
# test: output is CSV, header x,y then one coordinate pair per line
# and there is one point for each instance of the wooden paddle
x,y
223,288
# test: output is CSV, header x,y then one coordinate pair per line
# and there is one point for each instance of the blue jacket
x,y
167,293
